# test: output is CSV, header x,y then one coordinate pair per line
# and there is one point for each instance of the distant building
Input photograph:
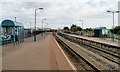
x,y
100,32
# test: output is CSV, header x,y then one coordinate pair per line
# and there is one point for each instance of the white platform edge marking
x,y
66,56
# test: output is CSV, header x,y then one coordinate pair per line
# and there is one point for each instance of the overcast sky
x,y
60,13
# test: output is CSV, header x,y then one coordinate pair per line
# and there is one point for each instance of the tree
x,y
75,28
116,30
66,28
88,29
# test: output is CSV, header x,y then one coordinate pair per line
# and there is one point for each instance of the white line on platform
x,y
66,56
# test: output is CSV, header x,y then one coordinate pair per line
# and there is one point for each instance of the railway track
x,y
79,62
114,57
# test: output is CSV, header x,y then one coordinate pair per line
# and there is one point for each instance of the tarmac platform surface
x,y
44,54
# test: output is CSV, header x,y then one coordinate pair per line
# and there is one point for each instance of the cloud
x,y
59,1
59,13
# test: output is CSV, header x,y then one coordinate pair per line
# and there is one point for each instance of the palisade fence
x,y
30,33
0,35
27,33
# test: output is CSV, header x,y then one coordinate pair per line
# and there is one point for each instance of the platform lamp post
x,y
113,12
35,23
30,30
42,25
82,25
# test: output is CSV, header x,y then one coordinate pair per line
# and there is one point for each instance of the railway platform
x,y
44,54
101,40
